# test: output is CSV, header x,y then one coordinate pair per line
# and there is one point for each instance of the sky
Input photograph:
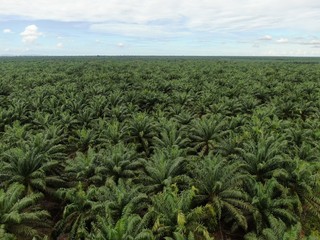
x,y
160,27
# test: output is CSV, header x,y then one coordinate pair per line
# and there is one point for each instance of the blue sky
x,y
166,27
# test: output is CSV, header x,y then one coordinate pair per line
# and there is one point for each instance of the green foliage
x,y
21,215
159,148
219,185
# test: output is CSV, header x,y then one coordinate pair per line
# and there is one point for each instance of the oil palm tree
x,y
128,227
171,213
28,167
80,211
279,231
219,185
264,158
122,198
304,185
161,170
82,139
16,133
112,133
272,206
205,134
170,136
83,168
20,214
119,161
141,131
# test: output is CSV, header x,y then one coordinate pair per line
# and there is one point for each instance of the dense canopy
x,y
159,148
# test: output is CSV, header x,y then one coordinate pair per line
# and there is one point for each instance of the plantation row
x,y
159,148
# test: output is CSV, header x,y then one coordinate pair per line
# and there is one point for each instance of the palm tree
x,y
112,133
219,185
228,146
273,206
20,215
205,134
298,135
180,236
128,227
171,213
85,116
304,185
118,113
98,105
119,161
83,168
28,167
80,211
264,158
122,198
141,131
162,170
278,231
16,133
67,122
42,120
83,138
184,118
170,136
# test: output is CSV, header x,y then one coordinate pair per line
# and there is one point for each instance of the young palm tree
x,y
205,134
20,215
304,185
83,138
128,227
162,170
273,206
112,133
171,213
28,167
171,136
122,198
83,168
184,118
264,158
219,185
80,211
118,113
141,131
119,161
16,134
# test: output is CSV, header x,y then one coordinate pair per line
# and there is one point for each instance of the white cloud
x,y
189,15
137,30
241,24
120,45
7,30
282,40
266,38
59,45
30,34
310,42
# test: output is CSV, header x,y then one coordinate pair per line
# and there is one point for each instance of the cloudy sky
x,y
160,27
